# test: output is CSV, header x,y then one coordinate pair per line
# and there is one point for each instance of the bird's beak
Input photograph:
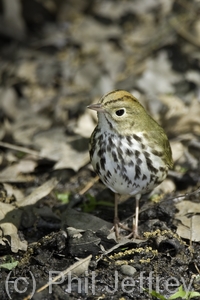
x,y
96,107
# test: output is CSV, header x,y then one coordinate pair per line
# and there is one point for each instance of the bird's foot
x,y
116,228
118,225
135,233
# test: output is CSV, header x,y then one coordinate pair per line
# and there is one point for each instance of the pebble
x,y
128,270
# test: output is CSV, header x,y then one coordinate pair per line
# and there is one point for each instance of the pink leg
x,y
116,219
135,223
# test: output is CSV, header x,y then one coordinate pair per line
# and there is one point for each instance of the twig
x,y
89,185
61,274
175,23
19,148
182,197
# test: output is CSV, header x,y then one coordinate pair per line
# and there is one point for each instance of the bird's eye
x,y
120,112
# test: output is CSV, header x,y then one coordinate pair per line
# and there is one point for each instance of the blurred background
x,y
58,56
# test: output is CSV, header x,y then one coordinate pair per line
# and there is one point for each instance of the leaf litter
x,y
80,52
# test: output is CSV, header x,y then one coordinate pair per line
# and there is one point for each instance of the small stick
x,y
89,185
19,148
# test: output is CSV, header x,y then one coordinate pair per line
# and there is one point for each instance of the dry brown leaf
x,y
85,125
181,119
27,71
5,209
70,158
10,219
189,228
12,174
26,166
12,23
82,220
13,191
177,150
10,236
39,193
166,187
175,106
189,220
68,152
87,28
193,76
27,125
190,122
9,102
159,71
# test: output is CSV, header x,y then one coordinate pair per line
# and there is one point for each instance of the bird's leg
x,y
116,219
135,223
117,224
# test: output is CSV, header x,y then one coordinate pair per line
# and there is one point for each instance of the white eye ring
x,y
120,112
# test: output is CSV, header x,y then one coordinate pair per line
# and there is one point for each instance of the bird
x,y
129,150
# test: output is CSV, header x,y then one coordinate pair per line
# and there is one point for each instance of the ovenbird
x,y
128,149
